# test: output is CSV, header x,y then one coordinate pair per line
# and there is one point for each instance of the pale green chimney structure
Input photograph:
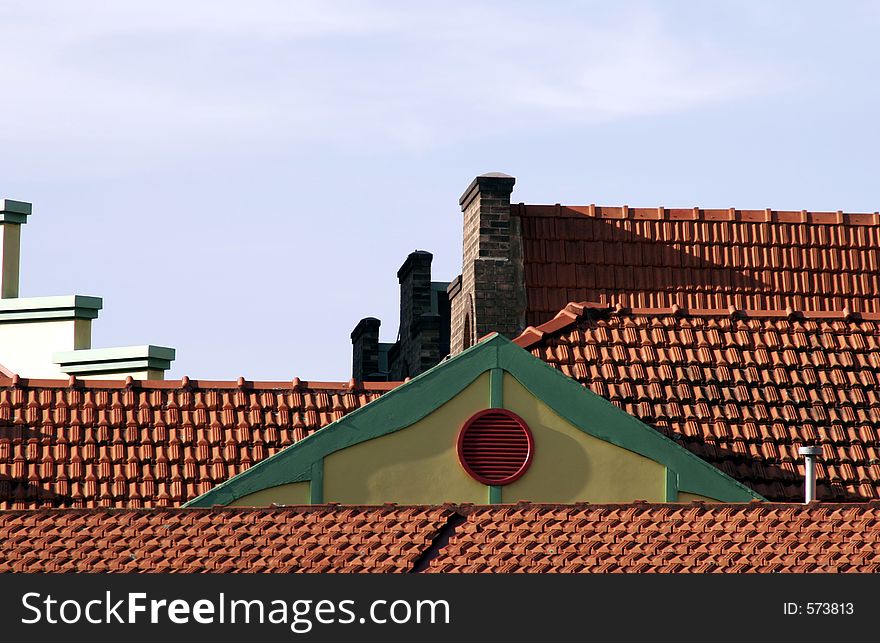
x,y
51,337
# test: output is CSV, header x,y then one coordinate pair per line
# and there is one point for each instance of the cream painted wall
x,y
416,465
144,374
572,466
294,493
26,348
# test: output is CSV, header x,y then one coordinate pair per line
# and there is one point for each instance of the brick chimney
x,y
13,214
490,294
415,289
423,335
423,314
365,350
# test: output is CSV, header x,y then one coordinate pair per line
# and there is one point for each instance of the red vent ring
x,y
495,447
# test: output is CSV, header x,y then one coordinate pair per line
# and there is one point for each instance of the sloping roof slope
x,y
151,444
639,537
697,258
741,389
295,539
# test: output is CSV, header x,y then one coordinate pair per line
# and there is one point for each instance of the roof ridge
x,y
186,382
461,508
575,311
291,508
661,213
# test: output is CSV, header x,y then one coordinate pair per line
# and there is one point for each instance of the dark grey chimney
x,y
415,289
365,350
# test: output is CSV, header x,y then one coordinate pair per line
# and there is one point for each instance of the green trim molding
x,y
12,211
49,308
410,402
671,485
496,388
316,482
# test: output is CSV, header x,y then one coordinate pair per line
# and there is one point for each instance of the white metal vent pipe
x,y
810,454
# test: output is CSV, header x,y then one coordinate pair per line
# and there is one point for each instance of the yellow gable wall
x,y
416,465
419,464
294,493
572,466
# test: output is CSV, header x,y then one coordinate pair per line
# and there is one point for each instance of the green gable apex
x,y
416,399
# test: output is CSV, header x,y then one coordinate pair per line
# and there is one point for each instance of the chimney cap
x,y
12,211
497,182
810,451
422,257
366,325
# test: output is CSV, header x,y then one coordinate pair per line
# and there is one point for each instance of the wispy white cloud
x,y
637,70
97,85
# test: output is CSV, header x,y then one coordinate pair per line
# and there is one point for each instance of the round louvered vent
x,y
495,446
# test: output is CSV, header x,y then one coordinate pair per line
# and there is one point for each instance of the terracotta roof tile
x,y
741,389
656,257
640,537
143,444
290,539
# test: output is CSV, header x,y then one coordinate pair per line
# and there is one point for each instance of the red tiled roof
x,y
657,257
145,444
638,537
294,539
741,389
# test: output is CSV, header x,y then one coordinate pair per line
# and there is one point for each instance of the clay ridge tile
x,y
186,382
575,311
662,213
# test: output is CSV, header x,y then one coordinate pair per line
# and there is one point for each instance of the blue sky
x,y
242,180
